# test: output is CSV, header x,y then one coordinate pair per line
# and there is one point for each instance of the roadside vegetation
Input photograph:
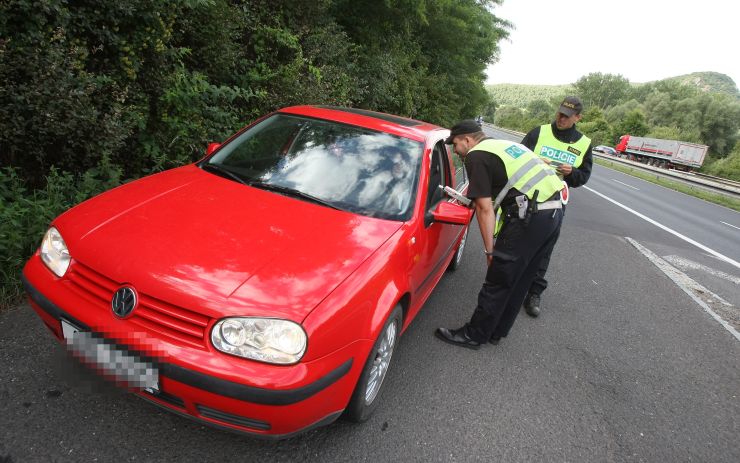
x,y
93,94
700,108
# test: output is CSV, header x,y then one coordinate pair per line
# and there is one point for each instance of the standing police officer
x,y
528,192
569,151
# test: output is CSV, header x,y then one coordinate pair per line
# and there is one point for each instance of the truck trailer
x,y
673,154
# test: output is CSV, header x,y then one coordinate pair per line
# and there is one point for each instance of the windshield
x,y
349,168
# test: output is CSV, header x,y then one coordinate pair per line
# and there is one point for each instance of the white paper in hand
x,y
456,195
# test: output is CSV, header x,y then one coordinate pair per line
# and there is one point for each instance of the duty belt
x,y
523,208
556,204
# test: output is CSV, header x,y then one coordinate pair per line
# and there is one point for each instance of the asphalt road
x,y
692,217
622,365
704,238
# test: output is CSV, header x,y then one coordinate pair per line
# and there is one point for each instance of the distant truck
x,y
662,153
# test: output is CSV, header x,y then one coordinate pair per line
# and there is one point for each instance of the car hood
x,y
218,247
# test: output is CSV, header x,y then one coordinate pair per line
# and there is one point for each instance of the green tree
x,y
413,57
599,131
602,90
720,123
489,112
594,126
677,90
632,124
617,113
514,119
521,95
541,111
673,133
94,92
726,167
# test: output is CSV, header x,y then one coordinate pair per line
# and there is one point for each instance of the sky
x,y
557,42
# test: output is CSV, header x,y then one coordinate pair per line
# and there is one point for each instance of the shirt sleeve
x,y
530,139
485,173
479,176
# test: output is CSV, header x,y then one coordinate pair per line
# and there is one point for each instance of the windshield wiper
x,y
292,192
225,171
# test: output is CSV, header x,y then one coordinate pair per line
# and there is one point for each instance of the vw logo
x,y
123,302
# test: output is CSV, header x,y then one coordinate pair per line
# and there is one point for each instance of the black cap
x,y
462,128
571,105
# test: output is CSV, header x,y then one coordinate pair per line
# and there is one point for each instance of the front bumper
x,y
216,389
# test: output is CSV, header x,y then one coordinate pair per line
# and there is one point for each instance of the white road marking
x,y
630,186
730,225
689,286
684,264
669,230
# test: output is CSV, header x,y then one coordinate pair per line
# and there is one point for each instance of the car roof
x,y
396,125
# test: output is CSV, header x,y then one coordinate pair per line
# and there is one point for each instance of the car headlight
x,y
54,252
265,339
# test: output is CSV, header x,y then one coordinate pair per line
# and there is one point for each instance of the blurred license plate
x,y
110,360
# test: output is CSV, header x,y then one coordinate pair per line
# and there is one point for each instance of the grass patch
x,y
732,203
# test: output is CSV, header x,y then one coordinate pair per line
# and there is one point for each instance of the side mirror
x,y
452,213
212,147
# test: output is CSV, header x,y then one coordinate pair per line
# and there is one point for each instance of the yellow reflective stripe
x,y
515,177
532,182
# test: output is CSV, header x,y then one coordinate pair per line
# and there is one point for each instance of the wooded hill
x,y
710,82
520,95
700,108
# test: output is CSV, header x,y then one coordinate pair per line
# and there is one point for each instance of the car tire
x,y
457,258
365,398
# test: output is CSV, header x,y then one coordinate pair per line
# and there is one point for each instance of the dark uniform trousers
x,y
539,284
517,254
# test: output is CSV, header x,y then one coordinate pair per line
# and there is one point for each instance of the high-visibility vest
x,y
525,171
566,153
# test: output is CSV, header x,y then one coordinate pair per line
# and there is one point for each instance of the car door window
x,y
461,175
438,175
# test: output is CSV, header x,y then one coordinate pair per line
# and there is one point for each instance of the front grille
x,y
232,419
180,325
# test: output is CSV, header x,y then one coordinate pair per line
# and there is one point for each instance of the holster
x,y
531,208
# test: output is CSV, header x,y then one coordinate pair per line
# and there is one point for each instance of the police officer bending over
x,y
510,175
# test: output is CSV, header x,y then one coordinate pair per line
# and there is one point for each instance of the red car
x,y
262,289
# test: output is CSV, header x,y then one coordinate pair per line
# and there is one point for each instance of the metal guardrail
x,y
693,179
511,132
719,185
721,180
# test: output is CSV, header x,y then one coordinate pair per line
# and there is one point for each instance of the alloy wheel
x,y
381,362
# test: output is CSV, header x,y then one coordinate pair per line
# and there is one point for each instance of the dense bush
x,y
95,91
25,214
597,128
728,167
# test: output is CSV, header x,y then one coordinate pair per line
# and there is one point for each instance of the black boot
x,y
458,337
532,304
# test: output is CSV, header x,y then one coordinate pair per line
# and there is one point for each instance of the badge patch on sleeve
x,y
514,151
